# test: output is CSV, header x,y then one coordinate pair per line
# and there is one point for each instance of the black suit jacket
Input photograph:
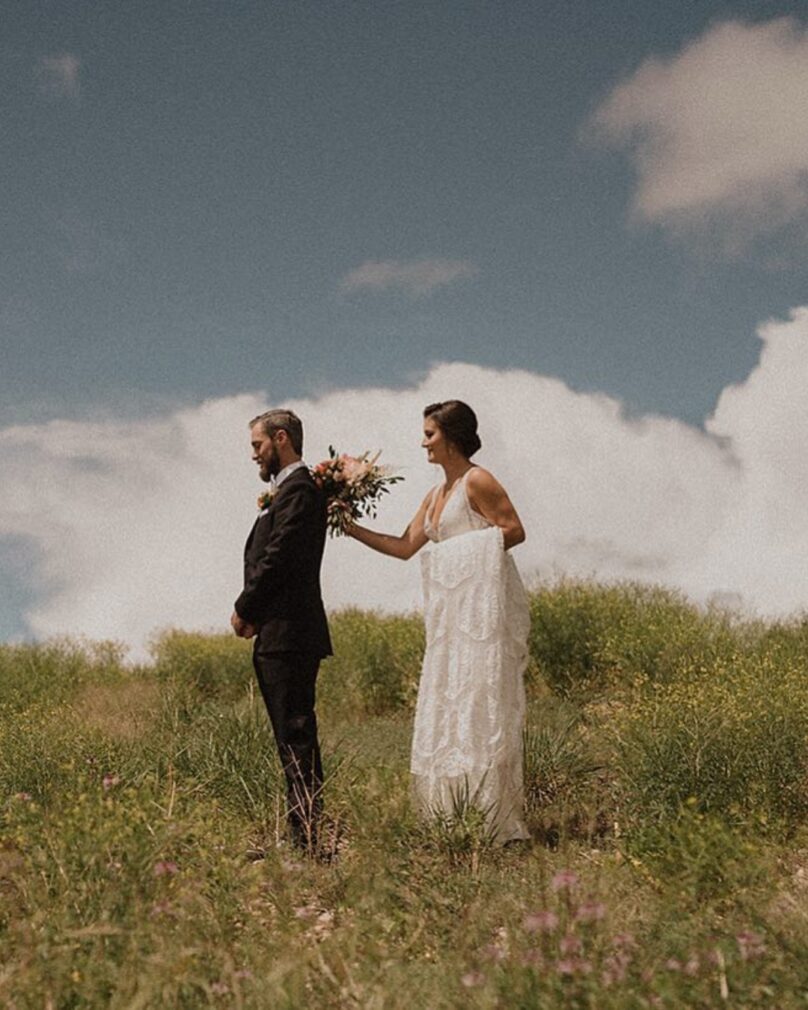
x,y
281,595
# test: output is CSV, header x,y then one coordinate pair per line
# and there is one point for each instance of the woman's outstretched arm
x,y
488,497
411,540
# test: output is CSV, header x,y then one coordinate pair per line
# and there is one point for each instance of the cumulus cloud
x,y
137,526
58,76
717,132
416,277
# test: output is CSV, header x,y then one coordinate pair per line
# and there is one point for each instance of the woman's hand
x,y
410,542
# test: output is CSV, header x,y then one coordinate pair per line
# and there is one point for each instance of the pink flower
x,y
570,944
564,880
692,965
23,797
750,945
109,781
673,964
355,468
161,908
540,922
573,966
614,968
590,911
165,868
473,979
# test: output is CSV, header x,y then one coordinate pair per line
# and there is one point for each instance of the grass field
x,y
667,778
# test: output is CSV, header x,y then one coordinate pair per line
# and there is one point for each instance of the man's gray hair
x,y
282,420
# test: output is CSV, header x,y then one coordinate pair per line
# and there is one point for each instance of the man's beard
x,y
271,468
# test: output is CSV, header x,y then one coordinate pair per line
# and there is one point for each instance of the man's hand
x,y
240,626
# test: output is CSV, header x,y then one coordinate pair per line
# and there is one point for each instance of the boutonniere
x,y
266,498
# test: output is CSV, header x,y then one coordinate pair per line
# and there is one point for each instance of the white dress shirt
x,y
283,474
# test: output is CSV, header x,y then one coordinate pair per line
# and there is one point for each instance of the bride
x,y
467,738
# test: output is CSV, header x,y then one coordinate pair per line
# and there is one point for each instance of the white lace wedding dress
x,y
467,740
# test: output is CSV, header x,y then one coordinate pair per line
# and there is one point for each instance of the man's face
x,y
265,452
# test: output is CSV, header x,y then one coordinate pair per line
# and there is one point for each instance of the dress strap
x,y
430,509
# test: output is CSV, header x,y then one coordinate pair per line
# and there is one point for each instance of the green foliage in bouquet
x,y
353,486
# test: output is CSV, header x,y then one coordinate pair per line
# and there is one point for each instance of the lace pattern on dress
x,y
467,740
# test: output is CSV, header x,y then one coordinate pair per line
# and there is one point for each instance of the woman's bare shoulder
x,y
480,479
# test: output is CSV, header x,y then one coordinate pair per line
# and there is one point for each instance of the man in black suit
x,y
282,607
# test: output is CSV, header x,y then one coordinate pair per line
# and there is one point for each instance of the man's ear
x,y
282,436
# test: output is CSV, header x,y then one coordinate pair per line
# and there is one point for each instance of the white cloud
x,y
141,525
59,76
717,132
417,277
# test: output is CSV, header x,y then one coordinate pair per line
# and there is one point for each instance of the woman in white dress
x,y
467,738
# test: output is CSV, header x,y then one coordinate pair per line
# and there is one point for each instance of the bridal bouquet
x,y
353,486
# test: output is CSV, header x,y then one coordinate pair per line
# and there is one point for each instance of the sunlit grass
x,y
143,860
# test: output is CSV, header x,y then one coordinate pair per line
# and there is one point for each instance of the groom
x,y
282,608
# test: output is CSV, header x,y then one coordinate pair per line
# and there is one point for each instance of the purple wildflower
x,y
615,967
161,908
573,966
590,911
564,880
493,952
472,979
540,922
569,944
532,958
750,945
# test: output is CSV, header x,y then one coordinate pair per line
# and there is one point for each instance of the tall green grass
x,y
587,638
376,662
666,771
55,671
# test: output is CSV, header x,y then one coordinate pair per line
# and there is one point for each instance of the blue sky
x,y
577,215
184,199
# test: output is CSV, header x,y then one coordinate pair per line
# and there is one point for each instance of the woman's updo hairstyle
x,y
458,422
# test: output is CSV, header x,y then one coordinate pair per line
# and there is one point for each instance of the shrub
x,y
696,857
54,671
376,663
43,751
785,641
211,665
229,752
735,744
558,765
587,637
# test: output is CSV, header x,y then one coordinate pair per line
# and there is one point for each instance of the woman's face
x,y
435,442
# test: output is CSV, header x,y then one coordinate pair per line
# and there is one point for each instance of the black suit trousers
x,y
287,682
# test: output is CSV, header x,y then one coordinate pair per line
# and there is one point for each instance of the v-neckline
x,y
435,523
